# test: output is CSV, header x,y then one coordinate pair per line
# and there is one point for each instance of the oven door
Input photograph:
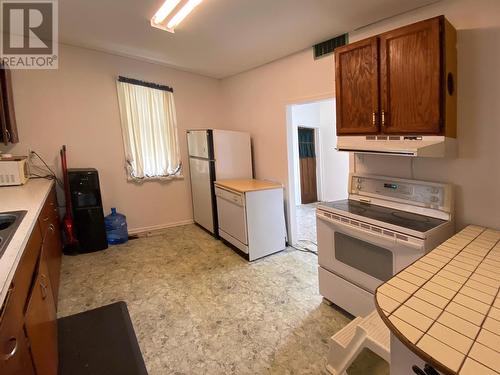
x,y
360,256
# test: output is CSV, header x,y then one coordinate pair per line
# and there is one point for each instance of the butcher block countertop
x,y
445,307
246,185
30,197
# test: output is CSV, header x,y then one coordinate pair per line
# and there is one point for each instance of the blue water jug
x,y
116,227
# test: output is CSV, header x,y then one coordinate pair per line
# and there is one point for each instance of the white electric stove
x,y
386,224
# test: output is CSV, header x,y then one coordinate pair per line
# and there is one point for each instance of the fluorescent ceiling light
x,y
162,13
182,13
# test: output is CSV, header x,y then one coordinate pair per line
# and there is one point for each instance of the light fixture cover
x,y
162,13
184,7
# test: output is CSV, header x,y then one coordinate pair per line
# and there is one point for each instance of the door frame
x,y
290,192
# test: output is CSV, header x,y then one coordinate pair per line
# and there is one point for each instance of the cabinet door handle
x,y
45,219
13,351
43,285
52,228
383,117
374,118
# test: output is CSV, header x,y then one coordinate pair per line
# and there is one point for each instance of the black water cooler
x,y
87,209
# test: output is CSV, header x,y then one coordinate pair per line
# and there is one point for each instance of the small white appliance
x,y
13,171
403,145
385,225
215,154
252,220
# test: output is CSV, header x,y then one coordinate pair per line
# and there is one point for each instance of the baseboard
x,y
144,231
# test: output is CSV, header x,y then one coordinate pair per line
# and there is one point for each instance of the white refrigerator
x,y
215,155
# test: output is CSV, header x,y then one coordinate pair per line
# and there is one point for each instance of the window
x,y
149,129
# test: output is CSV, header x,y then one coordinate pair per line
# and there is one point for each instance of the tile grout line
x,y
412,294
450,299
485,316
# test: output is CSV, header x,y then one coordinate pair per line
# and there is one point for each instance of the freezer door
x,y
201,190
232,154
199,143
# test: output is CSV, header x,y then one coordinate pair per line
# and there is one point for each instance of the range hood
x,y
408,145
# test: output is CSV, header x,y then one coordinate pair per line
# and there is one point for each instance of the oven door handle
x,y
375,238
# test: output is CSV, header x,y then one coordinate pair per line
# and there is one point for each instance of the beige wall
x,y
77,106
255,102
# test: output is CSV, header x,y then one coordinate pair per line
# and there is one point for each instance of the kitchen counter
x,y
246,185
29,197
445,307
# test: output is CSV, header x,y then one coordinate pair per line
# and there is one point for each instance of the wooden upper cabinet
x,y
8,126
406,77
356,81
410,69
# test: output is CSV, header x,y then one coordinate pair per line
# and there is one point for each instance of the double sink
x,y
9,222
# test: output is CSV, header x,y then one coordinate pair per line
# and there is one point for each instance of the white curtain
x,y
149,129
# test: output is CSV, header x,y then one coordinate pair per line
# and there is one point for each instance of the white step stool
x,y
368,332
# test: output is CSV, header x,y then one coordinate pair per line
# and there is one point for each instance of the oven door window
x,y
363,256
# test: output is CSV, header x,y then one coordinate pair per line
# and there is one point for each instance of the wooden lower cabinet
x,y
41,324
15,358
52,244
28,324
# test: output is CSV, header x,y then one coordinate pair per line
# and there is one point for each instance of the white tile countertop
x,y
445,307
29,197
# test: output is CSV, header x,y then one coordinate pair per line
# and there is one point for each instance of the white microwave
x,y
13,171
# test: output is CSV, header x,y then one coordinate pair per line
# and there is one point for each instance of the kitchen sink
x,y
9,222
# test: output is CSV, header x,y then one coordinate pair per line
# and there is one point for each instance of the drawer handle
x,y
52,228
45,219
13,352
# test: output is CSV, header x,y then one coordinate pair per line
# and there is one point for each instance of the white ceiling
x,y
221,37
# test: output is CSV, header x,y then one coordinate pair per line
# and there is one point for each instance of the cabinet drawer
x,y
231,196
49,214
20,287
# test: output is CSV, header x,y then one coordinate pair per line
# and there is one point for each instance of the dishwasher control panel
x,y
232,196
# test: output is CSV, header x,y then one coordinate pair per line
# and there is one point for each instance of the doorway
x,y
307,165
316,171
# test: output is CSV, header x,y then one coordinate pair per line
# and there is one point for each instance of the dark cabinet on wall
x,y
400,82
8,126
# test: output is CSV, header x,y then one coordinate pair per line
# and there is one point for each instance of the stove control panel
x,y
421,193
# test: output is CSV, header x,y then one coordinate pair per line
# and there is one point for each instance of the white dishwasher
x,y
232,217
251,216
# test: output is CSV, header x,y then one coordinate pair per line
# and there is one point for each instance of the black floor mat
x,y
99,342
